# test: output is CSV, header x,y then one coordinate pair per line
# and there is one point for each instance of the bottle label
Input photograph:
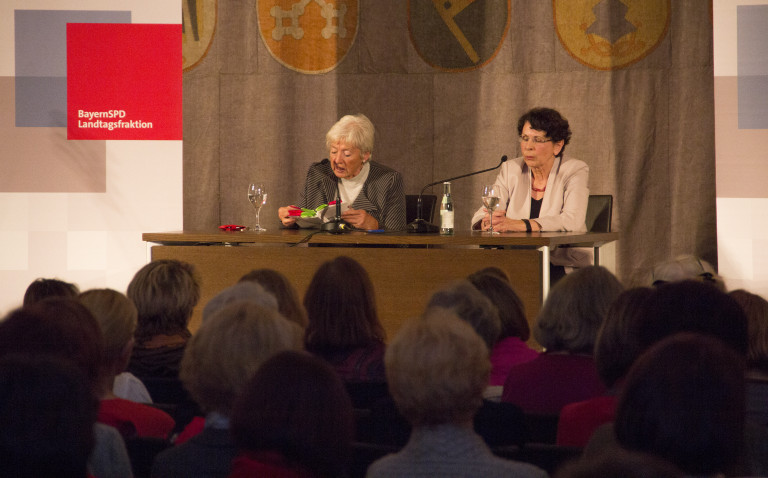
x,y
446,219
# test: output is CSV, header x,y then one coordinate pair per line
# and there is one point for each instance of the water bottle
x,y
446,210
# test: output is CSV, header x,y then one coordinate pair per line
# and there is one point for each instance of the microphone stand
x,y
337,225
420,225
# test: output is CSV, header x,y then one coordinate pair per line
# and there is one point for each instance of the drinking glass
x,y
257,194
491,200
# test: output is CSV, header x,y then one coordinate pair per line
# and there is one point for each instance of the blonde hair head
x,y
116,316
228,349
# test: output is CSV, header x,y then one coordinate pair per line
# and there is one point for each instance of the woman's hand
x,y
285,216
360,219
501,223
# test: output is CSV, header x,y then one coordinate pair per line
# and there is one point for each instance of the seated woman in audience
x,y
344,326
567,329
278,285
47,415
165,293
116,315
616,349
437,368
510,348
43,288
683,401
63,329
220,359
756,310
293,419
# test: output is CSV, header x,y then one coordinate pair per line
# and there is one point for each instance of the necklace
x,y
537,189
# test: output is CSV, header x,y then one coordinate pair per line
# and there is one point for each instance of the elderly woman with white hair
x,y
372,195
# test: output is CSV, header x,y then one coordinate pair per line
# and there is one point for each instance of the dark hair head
x,y
683,400
551,122
510,307
693,306
42,288
575,309
165,293
278,285
341,306
57,327
47,414
617,345
619,463
296,405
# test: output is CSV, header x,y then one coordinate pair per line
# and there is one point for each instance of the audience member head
x,y
470,305
683,401
297,405
341,307
228,349
47,414
116,316
620,464
165,293
575,309
508,304
248,291
756,310
492,271
437,368
57,327
693,306
278,285
686,267
43,288
617,345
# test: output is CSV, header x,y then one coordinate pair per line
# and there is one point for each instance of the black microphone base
x,y
420,226
337,226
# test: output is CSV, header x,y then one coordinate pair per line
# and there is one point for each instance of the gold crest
x,y
198,25
308,36
610,34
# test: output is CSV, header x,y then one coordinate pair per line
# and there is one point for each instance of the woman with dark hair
x,y
616,349
276,283
543,189
567,329
344,326
510,348
43,288
293,419
756,310
165,293
683,401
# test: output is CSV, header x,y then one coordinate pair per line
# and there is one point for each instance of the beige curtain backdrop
x,y
645,129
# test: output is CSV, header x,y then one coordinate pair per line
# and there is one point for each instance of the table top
x,y
315,236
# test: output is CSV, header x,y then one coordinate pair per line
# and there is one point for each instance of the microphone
x,y
419,225
337,225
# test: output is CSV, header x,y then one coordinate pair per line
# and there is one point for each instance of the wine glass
x,y
491,200
257,194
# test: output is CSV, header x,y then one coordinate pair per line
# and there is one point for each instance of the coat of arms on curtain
x,y
610,34
198,25
457,35
308,36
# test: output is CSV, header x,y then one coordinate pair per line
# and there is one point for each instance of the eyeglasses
x,y
536,139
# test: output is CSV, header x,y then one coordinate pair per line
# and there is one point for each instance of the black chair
x,y
428,202
542,427
599,211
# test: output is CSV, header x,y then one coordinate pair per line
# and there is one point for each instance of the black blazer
x,y
382,195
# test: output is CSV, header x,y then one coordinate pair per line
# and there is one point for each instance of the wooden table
x,y
406,269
